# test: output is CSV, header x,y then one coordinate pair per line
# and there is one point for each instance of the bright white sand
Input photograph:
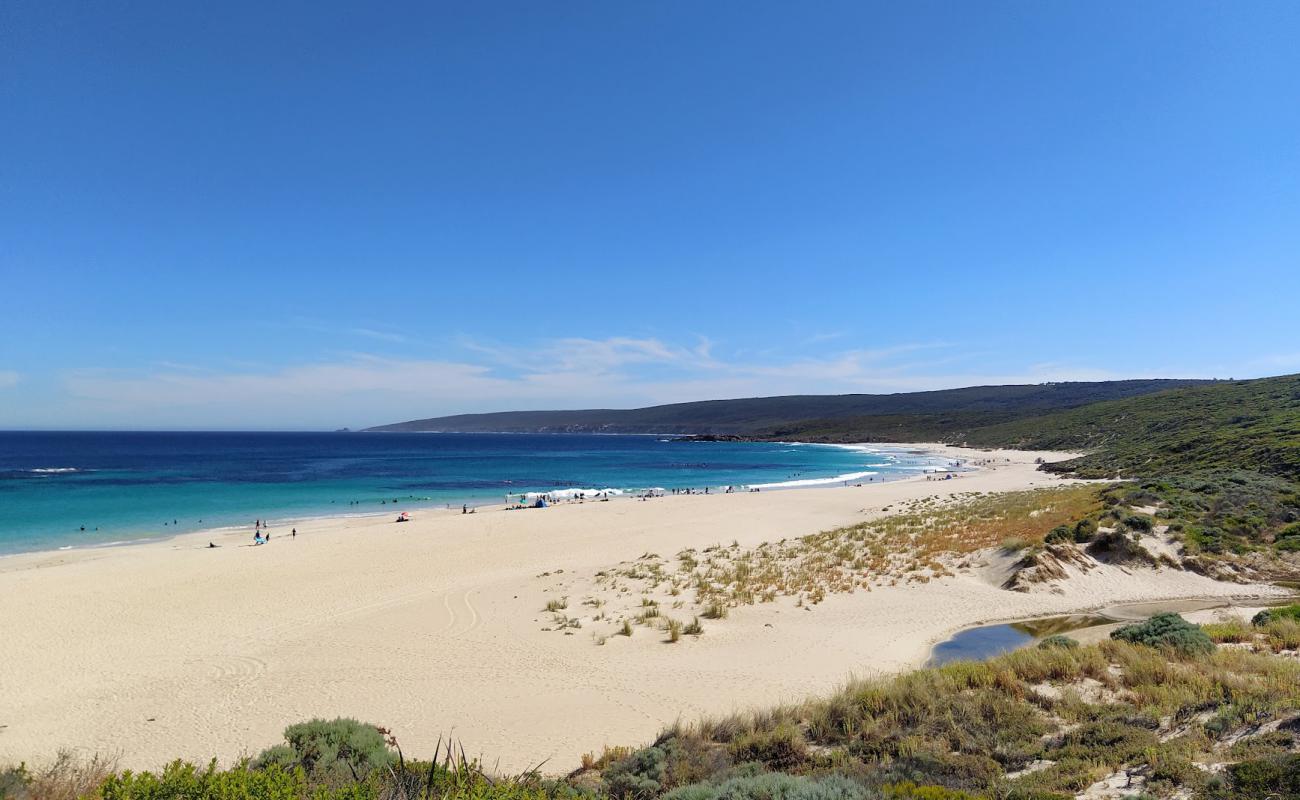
x,y
168,649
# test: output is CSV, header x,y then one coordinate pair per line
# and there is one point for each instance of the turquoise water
x,y
83,489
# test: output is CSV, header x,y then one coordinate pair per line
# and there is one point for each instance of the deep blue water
x,y
977,644
122,486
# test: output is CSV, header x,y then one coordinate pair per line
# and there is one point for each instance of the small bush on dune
x,y
1117,545
1169,631
182,781
1272,777
1272,614
775,786
13,782
1138,522
342,749
1059,535
69,777
1058,640
1085,530
781,748
960,771
672,762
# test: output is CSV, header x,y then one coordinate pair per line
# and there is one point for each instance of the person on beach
x,y
293,534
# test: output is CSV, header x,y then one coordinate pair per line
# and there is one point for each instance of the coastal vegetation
x,y
1225,529
1143,712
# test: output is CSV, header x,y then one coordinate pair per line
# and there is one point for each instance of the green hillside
x,y
759,415
1244,425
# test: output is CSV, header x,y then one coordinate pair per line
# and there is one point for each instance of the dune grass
x,y
925,540
1040,722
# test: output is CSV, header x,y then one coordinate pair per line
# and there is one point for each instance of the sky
x,y
315,215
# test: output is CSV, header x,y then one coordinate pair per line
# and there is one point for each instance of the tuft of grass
x,y
558,604
674,629
694,628
1015,544
1234,631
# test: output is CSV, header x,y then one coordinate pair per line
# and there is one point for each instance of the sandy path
x,y
168,649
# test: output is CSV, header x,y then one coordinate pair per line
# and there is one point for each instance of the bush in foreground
x,y
337,749
1167,631
775,786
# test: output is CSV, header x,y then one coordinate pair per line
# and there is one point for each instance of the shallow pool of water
x,y
986,641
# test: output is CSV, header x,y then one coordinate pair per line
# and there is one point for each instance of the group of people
x,y
262,533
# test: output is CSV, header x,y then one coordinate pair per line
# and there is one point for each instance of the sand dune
x,y
169,649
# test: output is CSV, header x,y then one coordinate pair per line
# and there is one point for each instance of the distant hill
x,y
912,415
1244,425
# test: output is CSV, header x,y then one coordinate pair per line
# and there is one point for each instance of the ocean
x,y
84,489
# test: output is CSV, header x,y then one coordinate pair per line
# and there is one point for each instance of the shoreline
x,y
437,626
295,521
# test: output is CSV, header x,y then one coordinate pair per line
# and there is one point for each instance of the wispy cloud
x,y
383,336
9,378
367,388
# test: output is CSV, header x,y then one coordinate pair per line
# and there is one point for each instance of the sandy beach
x,y
435,627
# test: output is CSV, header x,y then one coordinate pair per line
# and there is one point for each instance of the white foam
x,y
850,476
53,470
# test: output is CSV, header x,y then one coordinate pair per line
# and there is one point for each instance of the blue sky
x,y
326,214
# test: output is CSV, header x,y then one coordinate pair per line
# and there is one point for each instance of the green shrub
x,y
1118,545
341,749
1058,640
781,748
1085,530
964,771
13,782
1059,535
1105,741
642,774
1268,615
182,781
672,762
1166,631
1268,777
775,786
910,791
1138,522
